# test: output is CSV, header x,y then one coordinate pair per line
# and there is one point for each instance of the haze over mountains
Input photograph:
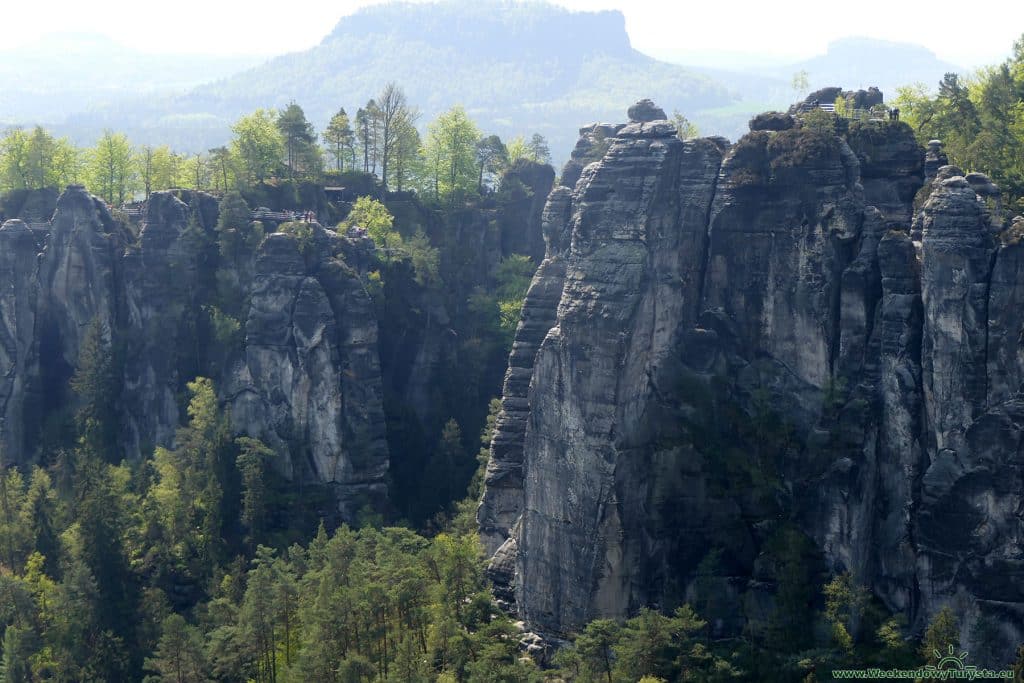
x,y
517,68
44,81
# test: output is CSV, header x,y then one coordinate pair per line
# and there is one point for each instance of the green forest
x,y
451,161
203,563
980,121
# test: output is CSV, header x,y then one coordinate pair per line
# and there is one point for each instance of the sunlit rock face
x,y
308,381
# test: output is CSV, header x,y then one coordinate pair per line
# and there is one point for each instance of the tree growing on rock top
x,y
258,144
450,155
340,140
491,158
302,156
111,171
396,116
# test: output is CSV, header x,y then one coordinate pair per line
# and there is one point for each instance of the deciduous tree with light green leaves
x,y
980,121
159,168
222,167
405,155
450,155
375,218
14,160
685,129
258,144
34,160
112,172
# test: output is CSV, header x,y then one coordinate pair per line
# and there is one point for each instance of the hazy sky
x,y
953,29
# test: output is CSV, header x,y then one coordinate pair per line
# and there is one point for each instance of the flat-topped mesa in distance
x,y
723,337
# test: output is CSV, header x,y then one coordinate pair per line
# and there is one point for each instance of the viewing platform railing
x,y
855,114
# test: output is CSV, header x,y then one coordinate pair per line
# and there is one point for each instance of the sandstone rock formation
x,y
18,347
58,280
723,339
305,377
308,382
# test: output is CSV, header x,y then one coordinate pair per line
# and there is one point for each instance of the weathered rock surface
x,y
525,189
645,111
305,376
162,281
934,159
956,267
891,168
775,281
19,287
58,280
635,248
592,145
309,383
502,504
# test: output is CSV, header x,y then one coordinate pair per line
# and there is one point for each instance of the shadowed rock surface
x,y
305,376
748,344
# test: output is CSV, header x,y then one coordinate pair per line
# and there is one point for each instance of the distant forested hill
x,y
864,62
517,68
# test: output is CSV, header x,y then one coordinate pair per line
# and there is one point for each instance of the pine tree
x,y
179,656
301,153
96,385
252,462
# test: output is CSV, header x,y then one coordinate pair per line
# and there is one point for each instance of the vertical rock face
x,y
305,375
787,208
891,167
897,341
78,270
1005,371
58,280
638,230
162,285
956,265
19,287
526,187
502,504
777,277
968,526
309,383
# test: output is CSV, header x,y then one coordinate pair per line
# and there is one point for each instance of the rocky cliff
x,y
726,346
300,369
350,390
308,381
